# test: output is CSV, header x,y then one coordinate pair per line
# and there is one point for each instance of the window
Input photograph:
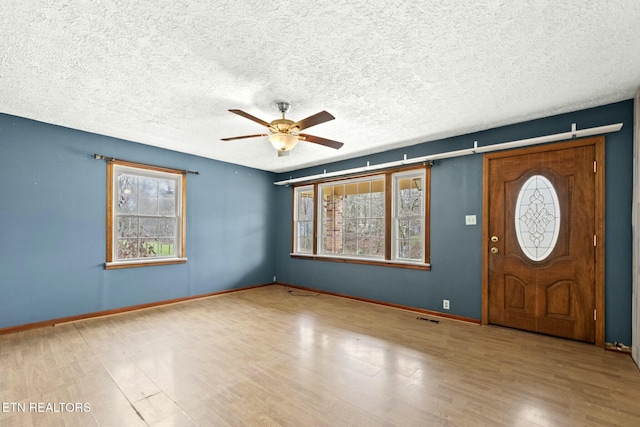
x,y
304,216
145,215
379,219
537,218
352,217
408,216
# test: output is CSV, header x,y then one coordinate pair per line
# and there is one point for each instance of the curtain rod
x,y
573,134
113,159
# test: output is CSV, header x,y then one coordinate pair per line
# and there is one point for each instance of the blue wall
x,y
53,215
456,249
53,219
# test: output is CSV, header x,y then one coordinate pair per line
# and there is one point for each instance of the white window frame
x,y
297,220
395,215
178,239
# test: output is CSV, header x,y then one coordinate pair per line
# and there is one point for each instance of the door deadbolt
x,y
494,239
494,250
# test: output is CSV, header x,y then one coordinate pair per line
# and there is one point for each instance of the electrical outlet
x,y
274,278
470,219
445,304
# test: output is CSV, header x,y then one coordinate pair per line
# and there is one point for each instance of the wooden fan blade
x,y
321,141
244,136
250,117
316,119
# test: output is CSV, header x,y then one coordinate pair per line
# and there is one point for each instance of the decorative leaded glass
x,y
537,218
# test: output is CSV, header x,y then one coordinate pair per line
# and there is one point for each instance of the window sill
x,y
354,260
143,263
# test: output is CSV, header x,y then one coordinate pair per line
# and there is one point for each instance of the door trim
x,y
598,143
635,292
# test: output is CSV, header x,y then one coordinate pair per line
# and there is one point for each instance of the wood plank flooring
x,y
266,356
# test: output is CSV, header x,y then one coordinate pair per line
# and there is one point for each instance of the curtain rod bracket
x,y
101,157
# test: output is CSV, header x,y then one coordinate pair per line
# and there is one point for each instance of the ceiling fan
x,y
285,134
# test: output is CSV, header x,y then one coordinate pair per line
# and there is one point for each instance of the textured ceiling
x,y
393,73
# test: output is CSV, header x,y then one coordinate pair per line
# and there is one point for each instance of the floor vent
x,y
428,320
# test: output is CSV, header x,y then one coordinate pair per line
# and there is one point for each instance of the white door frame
x,y
635,297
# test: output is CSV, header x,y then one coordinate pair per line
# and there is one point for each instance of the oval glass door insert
x,y
537,218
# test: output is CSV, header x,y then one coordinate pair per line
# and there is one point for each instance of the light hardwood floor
x,y
265,356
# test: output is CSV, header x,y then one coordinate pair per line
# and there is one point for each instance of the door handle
x,y
494,239
494,250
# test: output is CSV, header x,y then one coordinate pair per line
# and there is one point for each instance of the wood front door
x,y
543,224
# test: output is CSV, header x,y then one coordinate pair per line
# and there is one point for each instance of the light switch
x,y
470,219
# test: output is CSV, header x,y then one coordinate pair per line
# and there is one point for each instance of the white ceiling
x,y
393,73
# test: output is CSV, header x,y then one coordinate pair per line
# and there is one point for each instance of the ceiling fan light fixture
x,y
284,133
283,141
